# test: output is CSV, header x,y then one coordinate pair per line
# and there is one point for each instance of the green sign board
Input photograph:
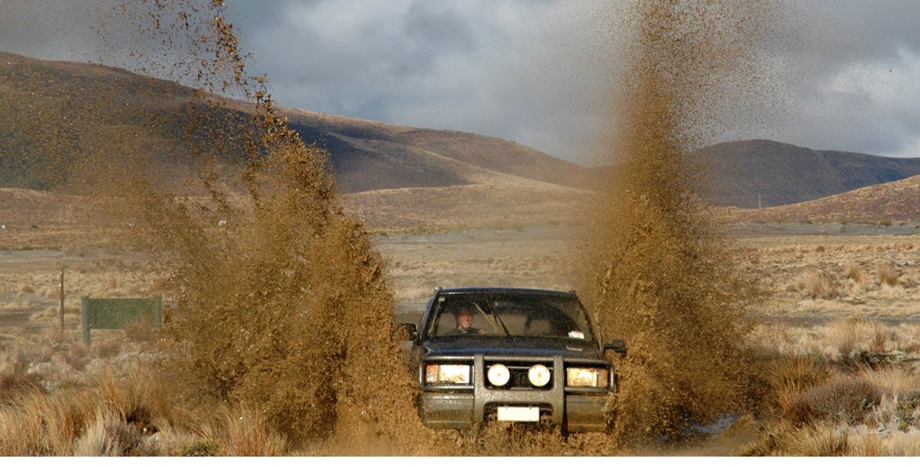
x,y
115,313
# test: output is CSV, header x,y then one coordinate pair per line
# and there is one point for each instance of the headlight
x,y
587,377
447,374
499,374
538,375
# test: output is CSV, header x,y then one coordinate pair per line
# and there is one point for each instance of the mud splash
x,y
659,277
278,299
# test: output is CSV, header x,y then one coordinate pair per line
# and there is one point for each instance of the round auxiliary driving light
x,y
538,375
499,374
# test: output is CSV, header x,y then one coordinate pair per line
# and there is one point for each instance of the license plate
x,y
519,414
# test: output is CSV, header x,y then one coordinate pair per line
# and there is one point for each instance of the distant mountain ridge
x,y
72,109
740,173
41,101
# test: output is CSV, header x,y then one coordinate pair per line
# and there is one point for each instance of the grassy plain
x,y
838,334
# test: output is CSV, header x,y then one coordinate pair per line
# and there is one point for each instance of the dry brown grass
x,y
819,440
818,284
887,274
250,434
14,375
841,399
108,434
844,336
843,280
855,273
845,388
896,444
793,375
783,439
128,413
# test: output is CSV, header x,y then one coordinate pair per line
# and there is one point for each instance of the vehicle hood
x,y
524,347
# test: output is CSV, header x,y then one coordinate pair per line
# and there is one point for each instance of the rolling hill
x,y
737,173
886,202
54,114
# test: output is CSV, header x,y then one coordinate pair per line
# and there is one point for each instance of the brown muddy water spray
x,y
659,277
279,301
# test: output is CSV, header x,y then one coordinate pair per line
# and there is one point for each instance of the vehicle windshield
x,y
509,314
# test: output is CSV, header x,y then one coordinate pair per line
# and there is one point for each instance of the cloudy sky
x,y
846,74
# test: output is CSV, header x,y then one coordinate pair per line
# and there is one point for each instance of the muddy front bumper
x,y
575,409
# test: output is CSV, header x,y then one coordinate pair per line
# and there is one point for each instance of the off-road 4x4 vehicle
x,y
525,356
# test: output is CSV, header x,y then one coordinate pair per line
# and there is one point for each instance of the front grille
x,y
519,380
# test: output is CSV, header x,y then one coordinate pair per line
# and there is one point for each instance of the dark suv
x,y
516,355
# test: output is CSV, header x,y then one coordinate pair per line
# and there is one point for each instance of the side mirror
x,y
407,332
618,346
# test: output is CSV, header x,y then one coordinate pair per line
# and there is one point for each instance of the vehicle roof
x,y
520,290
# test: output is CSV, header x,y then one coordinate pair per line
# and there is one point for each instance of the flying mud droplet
x,y
659,276
278,300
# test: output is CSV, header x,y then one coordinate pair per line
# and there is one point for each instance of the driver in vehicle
x,y
464,316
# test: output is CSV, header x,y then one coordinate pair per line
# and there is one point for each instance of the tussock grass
x,y
42,424
115,406
842,399
820,440
14,375
897,444
844,336
887,274
855,273
791,376
845,388
892,382
110,435
129,415
818,284
250,434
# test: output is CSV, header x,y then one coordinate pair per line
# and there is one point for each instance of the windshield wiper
x,y
499,319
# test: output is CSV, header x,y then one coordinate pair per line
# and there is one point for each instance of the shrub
x,y
842,399
200,448
908,407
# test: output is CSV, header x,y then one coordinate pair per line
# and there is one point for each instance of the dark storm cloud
x,y
842,74
526,71
498,68
846,76
439,26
